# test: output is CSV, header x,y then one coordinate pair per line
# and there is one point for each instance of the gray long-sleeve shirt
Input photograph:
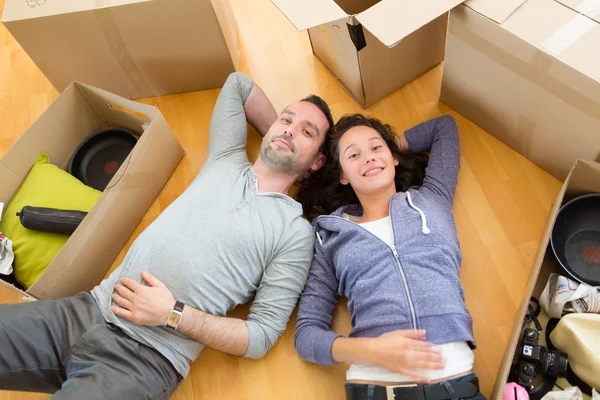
x,y
220,243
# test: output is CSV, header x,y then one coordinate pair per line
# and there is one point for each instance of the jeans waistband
x,y
461,387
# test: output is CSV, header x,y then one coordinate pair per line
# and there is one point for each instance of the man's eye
x,y
286,120
307,133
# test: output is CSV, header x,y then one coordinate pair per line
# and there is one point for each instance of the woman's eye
x,y
353,156
287,121
377,148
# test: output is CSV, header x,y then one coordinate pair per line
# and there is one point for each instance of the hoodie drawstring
x,y
319,238
424,227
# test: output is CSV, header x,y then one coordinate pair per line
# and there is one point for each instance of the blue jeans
x,y
466,378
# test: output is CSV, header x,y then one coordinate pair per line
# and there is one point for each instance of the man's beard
x,y
283,163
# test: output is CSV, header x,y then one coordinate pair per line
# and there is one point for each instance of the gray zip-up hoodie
x,y
412,285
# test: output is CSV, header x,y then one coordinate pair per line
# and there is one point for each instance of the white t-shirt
x,y
458,356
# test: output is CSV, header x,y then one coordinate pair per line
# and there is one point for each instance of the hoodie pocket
x,y
377,300
433,282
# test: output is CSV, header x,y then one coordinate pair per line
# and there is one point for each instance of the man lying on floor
x,y
233,233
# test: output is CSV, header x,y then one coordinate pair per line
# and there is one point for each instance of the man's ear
x,y
321,158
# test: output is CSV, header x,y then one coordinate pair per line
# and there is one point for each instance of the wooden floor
x,y
501,203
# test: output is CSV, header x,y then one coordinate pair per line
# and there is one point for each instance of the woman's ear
x,y
396,162
343,179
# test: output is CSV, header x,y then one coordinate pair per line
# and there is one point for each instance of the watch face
x,y
173,319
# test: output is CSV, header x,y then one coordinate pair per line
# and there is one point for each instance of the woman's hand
x,y
403,143
404,351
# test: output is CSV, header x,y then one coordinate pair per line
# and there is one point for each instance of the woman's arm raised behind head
x,y
439,136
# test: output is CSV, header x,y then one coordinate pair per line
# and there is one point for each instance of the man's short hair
x,y
322,105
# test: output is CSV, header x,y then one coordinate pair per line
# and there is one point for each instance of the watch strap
x,y
178,306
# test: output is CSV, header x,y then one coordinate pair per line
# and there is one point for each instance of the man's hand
x,y
151,305
304,176
141,304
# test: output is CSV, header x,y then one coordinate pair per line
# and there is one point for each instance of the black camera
x,y
536,359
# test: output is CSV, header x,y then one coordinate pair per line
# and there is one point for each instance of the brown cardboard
x,y
393,20
385,69
134,48
79,111
584,178
497,11
309,13
589,8
332,44
532,82
373,46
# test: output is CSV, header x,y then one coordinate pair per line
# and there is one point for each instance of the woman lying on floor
x,y
389,245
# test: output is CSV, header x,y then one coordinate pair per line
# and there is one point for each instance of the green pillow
x,y
46,185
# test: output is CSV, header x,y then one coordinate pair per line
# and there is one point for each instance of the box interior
x,y
76,114
582,180
352,7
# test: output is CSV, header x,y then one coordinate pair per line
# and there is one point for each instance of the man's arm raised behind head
x,y
240,101
259,110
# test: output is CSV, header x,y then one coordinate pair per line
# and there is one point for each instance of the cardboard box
x,y
134,48
584,178
373,46
528,72
78,112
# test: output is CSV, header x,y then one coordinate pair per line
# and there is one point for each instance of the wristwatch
x,y
175,315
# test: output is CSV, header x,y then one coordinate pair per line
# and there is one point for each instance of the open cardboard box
x,y
584,178
528,72
78,112
134,48
373,47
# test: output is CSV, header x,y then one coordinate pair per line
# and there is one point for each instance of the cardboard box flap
x,y
101,99
392,20
497,11
25,295
229,27
584,180
309,13
16,10
589,8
